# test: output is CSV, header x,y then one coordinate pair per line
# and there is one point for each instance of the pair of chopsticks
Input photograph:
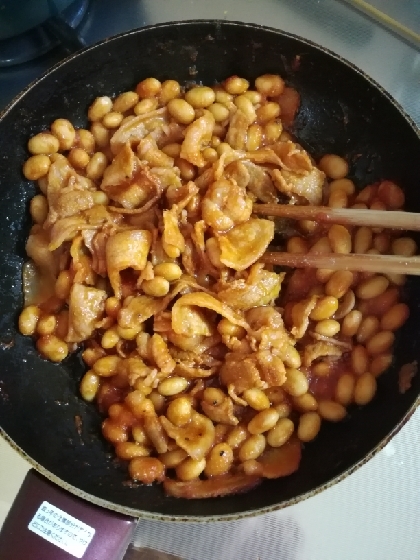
x,y
385,264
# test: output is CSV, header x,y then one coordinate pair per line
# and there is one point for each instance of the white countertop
x,y
13,469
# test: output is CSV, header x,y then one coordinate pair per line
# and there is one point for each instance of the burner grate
x,y
35,42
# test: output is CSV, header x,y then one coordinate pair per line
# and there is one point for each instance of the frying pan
x,y
342,111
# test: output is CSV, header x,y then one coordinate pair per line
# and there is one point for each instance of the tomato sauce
x,y
108,395
323,387
299,285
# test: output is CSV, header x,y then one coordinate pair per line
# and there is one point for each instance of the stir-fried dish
x,y
211,369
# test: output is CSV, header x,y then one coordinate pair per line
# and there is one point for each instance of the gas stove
x,y
21,42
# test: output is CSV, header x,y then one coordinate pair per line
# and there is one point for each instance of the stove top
x,y
35,41
332,23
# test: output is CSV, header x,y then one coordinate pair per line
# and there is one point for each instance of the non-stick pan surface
x,y
342,111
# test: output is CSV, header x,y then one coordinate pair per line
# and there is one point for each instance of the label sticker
x,y
59,528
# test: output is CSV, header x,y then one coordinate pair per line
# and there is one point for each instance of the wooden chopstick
x,y
385,264
387,21
388,219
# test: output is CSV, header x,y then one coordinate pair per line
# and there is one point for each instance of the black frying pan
x,y
342,111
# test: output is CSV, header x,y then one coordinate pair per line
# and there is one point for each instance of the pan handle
x,y
48,523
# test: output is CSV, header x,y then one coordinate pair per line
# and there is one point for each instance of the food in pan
x,y
211,368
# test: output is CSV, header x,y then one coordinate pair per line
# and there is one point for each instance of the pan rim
x,y
144,514
153,516
215,22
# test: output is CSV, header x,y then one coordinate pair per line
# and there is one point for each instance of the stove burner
x,y
39,40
